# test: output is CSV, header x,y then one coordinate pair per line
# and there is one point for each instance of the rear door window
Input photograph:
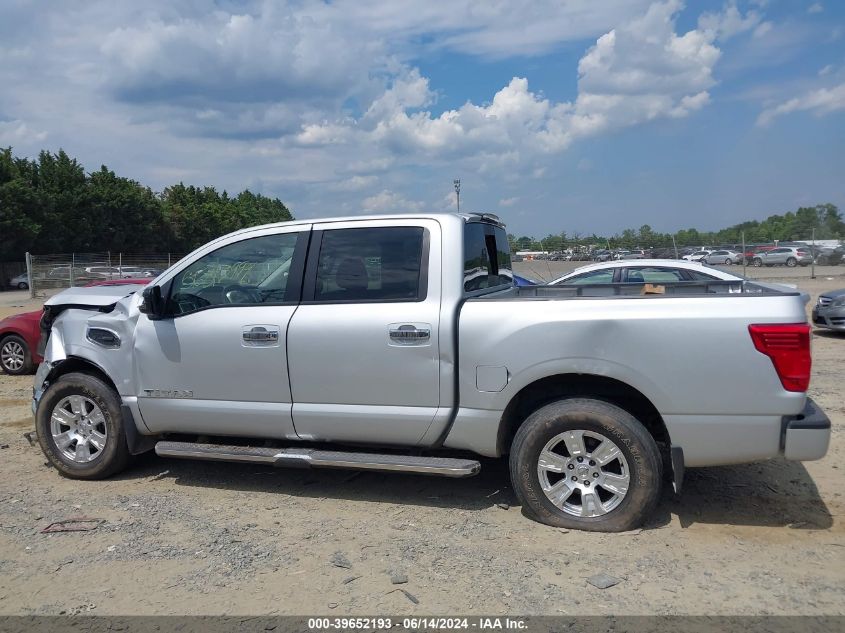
x,y
371,265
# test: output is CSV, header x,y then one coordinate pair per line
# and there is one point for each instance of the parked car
x,y
602,256
636,254
21,282
19,336
751,251
830,256
829,311
368,343
723,257
518,280
20,333
696,256
660,271
788,255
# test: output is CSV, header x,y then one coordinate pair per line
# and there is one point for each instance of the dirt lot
x,y
189,537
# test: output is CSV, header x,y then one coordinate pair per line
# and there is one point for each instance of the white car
x,y
723,257
696,256
659,271
21,282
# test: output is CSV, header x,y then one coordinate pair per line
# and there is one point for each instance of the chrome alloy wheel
x,y
12,355
79,428
583,473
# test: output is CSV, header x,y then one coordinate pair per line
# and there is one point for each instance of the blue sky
x,y
558,115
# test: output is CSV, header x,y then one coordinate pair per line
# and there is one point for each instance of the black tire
x,y
757,262
114,456
636,444
7,345
791,262
23,286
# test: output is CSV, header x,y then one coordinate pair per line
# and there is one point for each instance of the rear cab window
x,y
487,257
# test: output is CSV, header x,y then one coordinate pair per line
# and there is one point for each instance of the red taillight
x,y
788,345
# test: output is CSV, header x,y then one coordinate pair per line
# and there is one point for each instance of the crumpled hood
x,y
95,296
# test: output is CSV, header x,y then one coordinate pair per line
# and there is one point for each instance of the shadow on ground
x,y
776,493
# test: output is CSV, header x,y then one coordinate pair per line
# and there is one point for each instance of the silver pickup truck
x,y
400,344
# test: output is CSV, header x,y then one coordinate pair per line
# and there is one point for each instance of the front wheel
x,y
586,464
80,427
757,262
23,286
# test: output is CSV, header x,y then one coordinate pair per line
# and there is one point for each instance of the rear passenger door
x,y
363,346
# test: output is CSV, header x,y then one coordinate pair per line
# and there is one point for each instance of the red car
x,y
19,334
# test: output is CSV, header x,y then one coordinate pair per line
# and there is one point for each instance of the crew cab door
x,y
216,362
363,346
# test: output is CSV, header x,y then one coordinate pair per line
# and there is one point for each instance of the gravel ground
x,y
182,537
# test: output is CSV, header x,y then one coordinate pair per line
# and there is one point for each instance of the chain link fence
x,y
50,273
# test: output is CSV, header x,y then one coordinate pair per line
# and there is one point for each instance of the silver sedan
x,y
723,257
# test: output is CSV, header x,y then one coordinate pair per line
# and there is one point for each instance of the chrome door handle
x,y
409,334
260,335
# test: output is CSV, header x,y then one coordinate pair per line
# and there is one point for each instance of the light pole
x,y
457,183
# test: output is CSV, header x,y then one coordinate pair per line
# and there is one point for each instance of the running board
x,y
313,458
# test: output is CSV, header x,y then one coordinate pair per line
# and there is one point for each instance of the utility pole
x,y
457,183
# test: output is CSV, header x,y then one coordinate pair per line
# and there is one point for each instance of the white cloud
x,y
816,7
639,72
355,183
728,22
449,202
826,70
819,102
388,201
489,29
508,202
762,29
17,132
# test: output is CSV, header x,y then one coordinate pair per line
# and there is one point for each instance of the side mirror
x,y
152,303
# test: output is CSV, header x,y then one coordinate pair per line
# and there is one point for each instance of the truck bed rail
x,y
641,290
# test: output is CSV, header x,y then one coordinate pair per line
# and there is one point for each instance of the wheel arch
x,y
568,385
80,365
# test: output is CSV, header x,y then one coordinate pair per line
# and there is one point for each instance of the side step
x,y
313,458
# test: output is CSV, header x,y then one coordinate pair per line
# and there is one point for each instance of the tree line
x,y
51,205
826,219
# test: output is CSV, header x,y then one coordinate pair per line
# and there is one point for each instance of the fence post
x,y
72,266
29,275
168,260
813,256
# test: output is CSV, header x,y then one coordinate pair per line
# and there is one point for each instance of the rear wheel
x,y
791,262
586,464
80,427
15,357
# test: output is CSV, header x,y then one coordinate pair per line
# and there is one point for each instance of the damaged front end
x,y
87,327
